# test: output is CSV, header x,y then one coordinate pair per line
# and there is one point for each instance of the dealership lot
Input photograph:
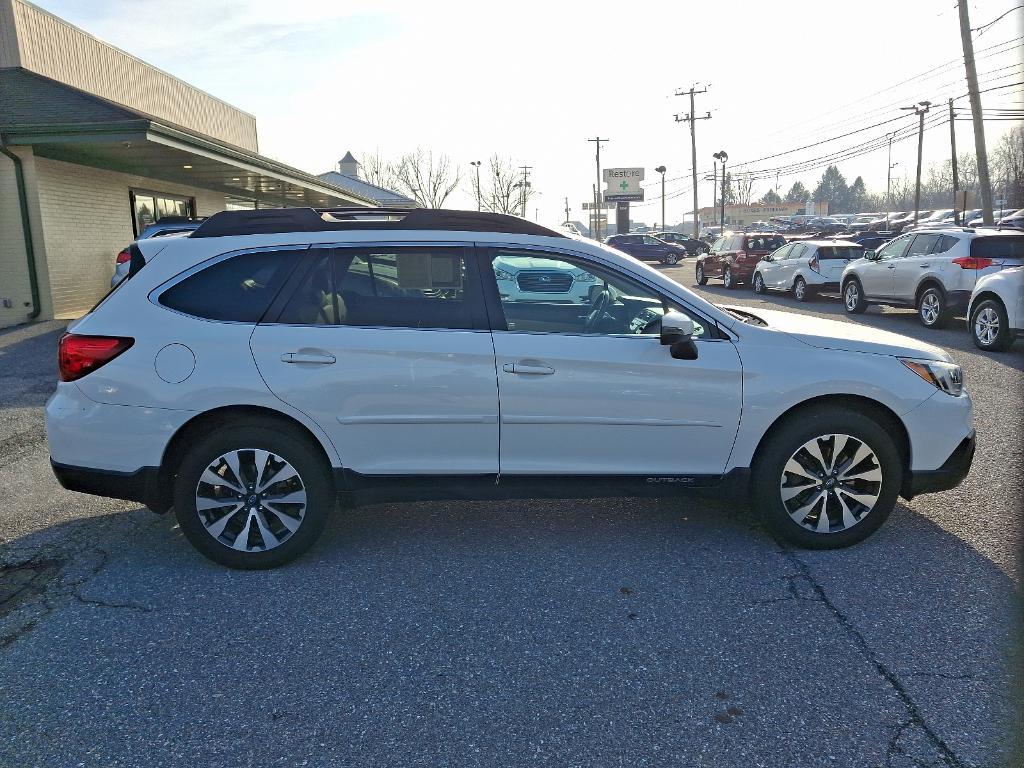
x,y
613,632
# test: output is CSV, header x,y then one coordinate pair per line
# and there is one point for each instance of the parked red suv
x,y
734,257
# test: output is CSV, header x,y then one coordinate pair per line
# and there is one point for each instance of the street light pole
x,y
597,220
888,182
920,109
722,157
476,163
661,169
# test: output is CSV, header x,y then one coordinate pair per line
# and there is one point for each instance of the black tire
x,y
671,259
758,283
800,290
853,297
932,309
803,427
702,279
314,477
1003,335
728,279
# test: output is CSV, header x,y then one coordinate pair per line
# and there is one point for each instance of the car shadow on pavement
x,y
30,383
520,633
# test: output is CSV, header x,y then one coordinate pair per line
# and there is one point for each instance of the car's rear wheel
x,y
853,297
800,289
253,496
758,283
990,326
702,279
931,308
827,478
728,279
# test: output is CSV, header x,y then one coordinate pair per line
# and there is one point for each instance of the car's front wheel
x,y
853,297
990,326
702,279
670,259
253,496
758,283
827,478
931,308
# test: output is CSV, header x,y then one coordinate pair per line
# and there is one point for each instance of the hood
x,y
849,337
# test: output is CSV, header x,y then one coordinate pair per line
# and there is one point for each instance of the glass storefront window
x,y
149,207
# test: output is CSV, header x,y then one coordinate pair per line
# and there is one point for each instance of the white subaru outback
x,y
253,372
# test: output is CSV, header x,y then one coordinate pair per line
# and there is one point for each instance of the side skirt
x,y
358,489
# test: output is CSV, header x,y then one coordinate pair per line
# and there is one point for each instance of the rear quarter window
x,y
1001,247
237,289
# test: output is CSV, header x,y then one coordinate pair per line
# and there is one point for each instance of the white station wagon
x,y
253,372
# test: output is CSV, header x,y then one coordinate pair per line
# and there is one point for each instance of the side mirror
x,y
871,255
677,334
766,257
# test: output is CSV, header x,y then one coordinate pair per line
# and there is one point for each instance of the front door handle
x,y
308,357
924,266
528,369
891,266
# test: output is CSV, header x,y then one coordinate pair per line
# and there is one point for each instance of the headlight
x,y
584,277
501,274
946,376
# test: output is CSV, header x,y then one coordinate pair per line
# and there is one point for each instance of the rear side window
x,y
945,243
391,288
1001,247
237,289
840,252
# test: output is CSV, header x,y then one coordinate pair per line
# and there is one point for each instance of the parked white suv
x,y
805,267
250,373
933,271
996,313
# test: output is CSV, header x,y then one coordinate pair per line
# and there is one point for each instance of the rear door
x,y
833,259
915,263
387,347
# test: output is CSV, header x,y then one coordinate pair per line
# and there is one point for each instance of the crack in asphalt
x,y
950,757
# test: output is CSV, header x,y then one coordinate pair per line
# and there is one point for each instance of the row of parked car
x,y
940,272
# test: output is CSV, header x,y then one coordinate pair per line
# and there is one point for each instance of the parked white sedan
x,y
805,267
997,309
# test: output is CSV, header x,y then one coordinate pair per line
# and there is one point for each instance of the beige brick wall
x,y
86,221
14,285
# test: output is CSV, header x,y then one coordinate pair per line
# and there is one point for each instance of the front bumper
x,y
143,485
949,475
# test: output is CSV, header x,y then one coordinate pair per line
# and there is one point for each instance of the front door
x,y
587,388
387,348
876,277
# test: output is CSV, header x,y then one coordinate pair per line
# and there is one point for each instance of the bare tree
x,y
1008,167
502,191
427,178
744,190
377,170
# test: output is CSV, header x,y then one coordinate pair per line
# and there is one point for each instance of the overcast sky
x,y
533,80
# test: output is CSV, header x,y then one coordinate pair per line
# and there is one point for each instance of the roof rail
x,y
274,220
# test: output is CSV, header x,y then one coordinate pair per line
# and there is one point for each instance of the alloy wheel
x,y
800,290
758,283
986,326
931,308
250,500
831,483
727,278
852,295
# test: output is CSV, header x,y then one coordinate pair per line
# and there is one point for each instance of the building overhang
x,y
148,148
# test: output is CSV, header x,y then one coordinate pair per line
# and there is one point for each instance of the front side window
x,y
553,293
238,289
894,249
782,253
387,287
651,241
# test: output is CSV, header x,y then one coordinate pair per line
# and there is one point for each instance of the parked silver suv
x,y
933,271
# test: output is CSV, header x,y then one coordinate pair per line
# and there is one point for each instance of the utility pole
x,y
522,190
956,177
979,125
692,120
597,220
888,183
567,209
920,109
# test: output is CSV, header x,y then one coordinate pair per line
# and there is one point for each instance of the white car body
x,y
421,411
819,263
1006,289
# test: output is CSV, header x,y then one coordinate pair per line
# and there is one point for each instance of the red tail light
x,y
813,263
79,355
972,262
123,257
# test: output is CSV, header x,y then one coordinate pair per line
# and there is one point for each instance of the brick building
x,y
94,145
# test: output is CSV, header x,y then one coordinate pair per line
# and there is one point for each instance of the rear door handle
x,y
528,369
891,266
923,266
308,357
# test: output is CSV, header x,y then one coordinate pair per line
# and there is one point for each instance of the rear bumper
x,y
949,475
142,485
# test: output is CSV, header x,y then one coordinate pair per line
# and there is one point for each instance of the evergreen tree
x,y
798,193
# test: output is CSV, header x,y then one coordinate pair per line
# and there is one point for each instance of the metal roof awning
x,y
146,147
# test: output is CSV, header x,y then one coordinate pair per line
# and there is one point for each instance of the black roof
x,y
273,220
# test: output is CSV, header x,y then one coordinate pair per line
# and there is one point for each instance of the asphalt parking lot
x,y
620,632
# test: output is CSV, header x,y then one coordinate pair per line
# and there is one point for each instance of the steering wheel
x,y
604,298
